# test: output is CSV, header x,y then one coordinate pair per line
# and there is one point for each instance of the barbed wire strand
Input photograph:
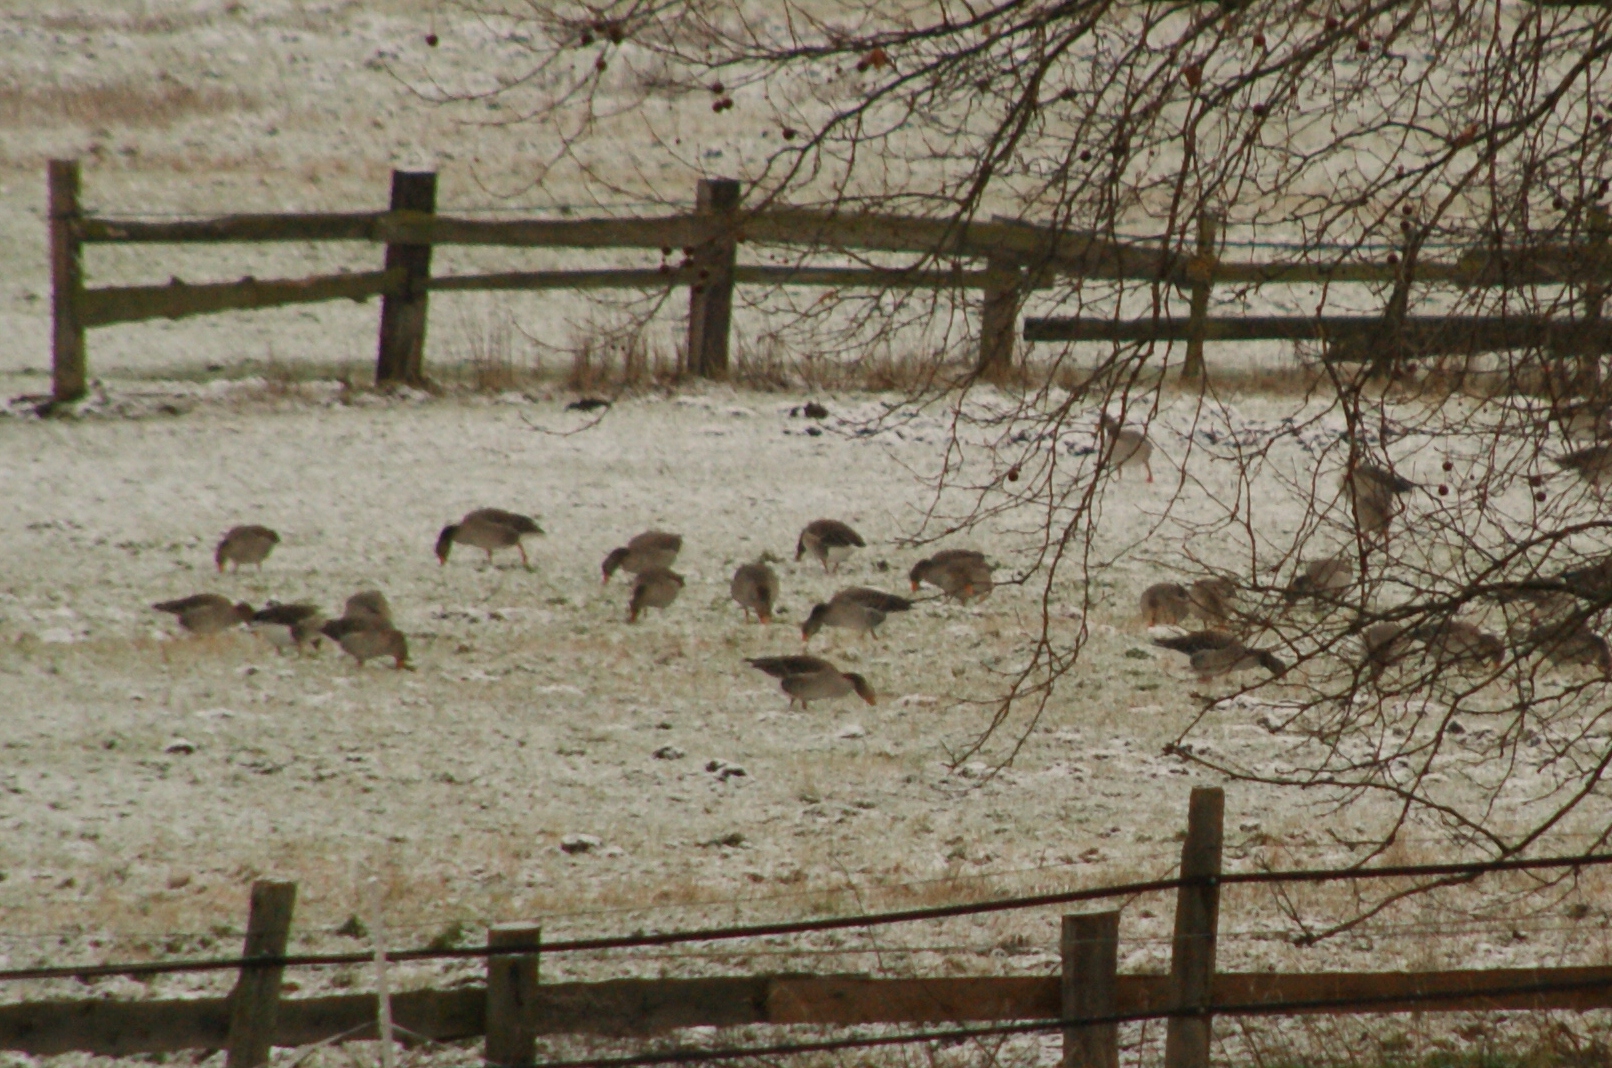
x,y
1470,870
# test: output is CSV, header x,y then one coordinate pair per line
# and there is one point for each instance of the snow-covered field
x,y
148,778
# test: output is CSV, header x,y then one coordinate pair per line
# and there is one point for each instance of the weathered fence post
x,y
710,302
1201,270
1598,258
255,1002
401,359
67,373
1090,959
1390,347
511,993
1197,915
999,316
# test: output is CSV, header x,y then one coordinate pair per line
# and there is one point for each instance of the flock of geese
x,y
365,629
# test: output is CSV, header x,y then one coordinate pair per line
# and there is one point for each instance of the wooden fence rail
x,y
513,1009
1017,258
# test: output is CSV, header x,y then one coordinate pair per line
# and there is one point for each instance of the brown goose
x,y
1213,652
1212,599
656,587
1122,448
206,613
369,607
755,587
487,529
1164,604
249,544
808,678
960,574
1322,578
1592,464
1386,644
877,600
1573,642
1455,643
651,549
848,615
1374,493
829,540
365,641
288,626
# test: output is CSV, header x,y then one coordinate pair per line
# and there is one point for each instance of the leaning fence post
x,y
1202,272
255,1002
511,993
1090,959
401,356
1197,914
67,373
710,302
999,315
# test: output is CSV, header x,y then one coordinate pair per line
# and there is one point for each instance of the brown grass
x,y
125,104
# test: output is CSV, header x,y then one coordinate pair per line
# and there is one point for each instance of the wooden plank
x,y
1090,952
400,350
1197,920
254,228
512,996
710,301
854,1000
650,1006
255,1002
68,374
107,305
671,277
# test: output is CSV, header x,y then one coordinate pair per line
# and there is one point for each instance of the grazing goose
x,y
1455,643
1374,493
847,615
249,544
656,587
829,540
1322,578
1164,604
651,549
487,529
288,626
1385,645
1585,419
959,573
1124,448
1212,599
206,613
877,600
1592,464
1213,652
808,678
755,587
365,641
370,607
1572,642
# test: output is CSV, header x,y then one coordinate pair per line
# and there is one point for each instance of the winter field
x,y
149,777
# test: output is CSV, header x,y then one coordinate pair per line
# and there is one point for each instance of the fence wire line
x,y
1320,875
961,1034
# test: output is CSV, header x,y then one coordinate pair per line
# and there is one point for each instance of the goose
x,y
1592,464
755,587
959,573
1321,578
206,613
1572,642
250,544
1213,652
651,549
369,606
878,600
365,641
1212,599
829,540
656,587
488,529
1124,448
1374,493
1386,644
1455,643
1164,604
846,614
808,678
287,626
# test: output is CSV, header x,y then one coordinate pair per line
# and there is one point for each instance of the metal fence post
x,y
401,356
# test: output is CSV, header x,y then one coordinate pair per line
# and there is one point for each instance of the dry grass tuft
x,y
129,104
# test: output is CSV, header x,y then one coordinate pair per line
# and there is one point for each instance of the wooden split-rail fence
x,y
1014,258
512,1009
